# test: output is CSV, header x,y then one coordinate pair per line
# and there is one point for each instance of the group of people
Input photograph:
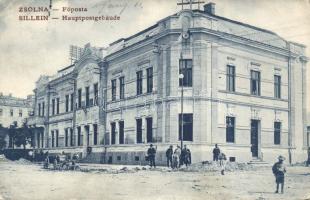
x,y
218,155
175,158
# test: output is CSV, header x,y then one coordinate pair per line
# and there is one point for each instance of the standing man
x,y
222,158
169,153
186,156
151,152
279,170
308,160
216,153
178,153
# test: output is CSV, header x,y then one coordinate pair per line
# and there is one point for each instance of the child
x,y
222,158
279,170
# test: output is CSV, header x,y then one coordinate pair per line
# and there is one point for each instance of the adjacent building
x,y
242,87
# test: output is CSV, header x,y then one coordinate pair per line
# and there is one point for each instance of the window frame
x,y
277,86
231,78
230,136
257,82
139,82
113,89
277,133
187,72
149,80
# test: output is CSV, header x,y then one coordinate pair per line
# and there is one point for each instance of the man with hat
x,y
169,153
279,170
151,152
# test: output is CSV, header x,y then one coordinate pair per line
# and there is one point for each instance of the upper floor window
x,y
79,98
71,102
277,86
43,107
57,110
149,80
39,109
113,83
139,82
230,78
185,68
67,103
121,87
96,94
87,103
53,106
20,112
255,82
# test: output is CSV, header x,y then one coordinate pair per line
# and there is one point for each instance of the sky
x,y
29,49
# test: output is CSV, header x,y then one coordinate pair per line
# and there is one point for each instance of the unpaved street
x,y
18,182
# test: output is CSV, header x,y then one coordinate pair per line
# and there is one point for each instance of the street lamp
x,y
181,76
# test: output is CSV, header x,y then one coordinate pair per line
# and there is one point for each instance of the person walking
x,y
223,159
151,152
216,153
169,153
279,170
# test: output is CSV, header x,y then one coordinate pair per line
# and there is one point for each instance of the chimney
x,y
209,8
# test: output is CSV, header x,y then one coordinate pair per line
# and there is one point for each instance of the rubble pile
x,y
214,166
23,161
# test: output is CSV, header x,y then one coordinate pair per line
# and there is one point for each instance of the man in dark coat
x,y
279,170
169,153
216,153
186,156
151,152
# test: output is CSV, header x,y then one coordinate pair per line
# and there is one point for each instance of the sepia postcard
x,y
154,99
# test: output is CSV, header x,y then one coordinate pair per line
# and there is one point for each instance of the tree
x,y
21,136
3,135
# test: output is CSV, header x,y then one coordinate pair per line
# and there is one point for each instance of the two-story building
x,y
242,87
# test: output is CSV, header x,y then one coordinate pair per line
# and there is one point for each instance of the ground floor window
x,y
95,134
113,133
149,129
139,130
79,135
57,138
187,126
277,132
121,132
230,129
53,138
66,137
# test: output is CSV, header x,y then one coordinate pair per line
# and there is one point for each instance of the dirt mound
x,y
215,166
23,161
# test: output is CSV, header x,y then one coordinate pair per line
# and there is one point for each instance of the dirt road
x,y
18,182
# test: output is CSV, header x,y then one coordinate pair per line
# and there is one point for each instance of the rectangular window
x,y
149,129
20,112
71,137
113,133
121,87
79,136
230,129
149,80
67,103
39,109
230,78
139,130
66,137
121,132
57,105
87,97
187,127
113,83
139,82
57,138
53,139
79,98
95,134
185,68
277,86
53,106
71,102
96,94
277,132
43,108
255,83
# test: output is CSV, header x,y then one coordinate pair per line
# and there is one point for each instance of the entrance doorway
x,y
254,137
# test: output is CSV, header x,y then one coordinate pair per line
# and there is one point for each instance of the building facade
x,y
14,112
242,87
